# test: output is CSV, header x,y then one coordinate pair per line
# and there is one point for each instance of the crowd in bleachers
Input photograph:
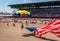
x,y
52,12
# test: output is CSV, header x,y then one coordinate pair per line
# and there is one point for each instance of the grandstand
x,y
40,9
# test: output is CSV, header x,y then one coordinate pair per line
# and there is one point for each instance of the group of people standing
x,y
22,24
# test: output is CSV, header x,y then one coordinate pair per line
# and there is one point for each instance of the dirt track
x,y
10,33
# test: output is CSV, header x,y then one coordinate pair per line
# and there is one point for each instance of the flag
x,y
56,32
31,29
51,27
41,32
55,24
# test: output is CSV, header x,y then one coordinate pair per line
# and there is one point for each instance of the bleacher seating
x,y
50,12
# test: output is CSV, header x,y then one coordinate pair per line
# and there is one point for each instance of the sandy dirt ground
x,y
11,33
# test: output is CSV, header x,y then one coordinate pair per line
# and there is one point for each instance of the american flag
x,y
53,27
56,32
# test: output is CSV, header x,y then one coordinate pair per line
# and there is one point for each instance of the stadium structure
x,y
38,9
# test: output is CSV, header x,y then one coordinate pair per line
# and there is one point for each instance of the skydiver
x,y
22,26
26,23
14,25
7,24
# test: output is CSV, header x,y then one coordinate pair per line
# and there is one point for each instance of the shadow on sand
x,y
31,34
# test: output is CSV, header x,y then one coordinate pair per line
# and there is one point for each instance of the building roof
x,y
51,3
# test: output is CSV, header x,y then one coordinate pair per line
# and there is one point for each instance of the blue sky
x,y
4,3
